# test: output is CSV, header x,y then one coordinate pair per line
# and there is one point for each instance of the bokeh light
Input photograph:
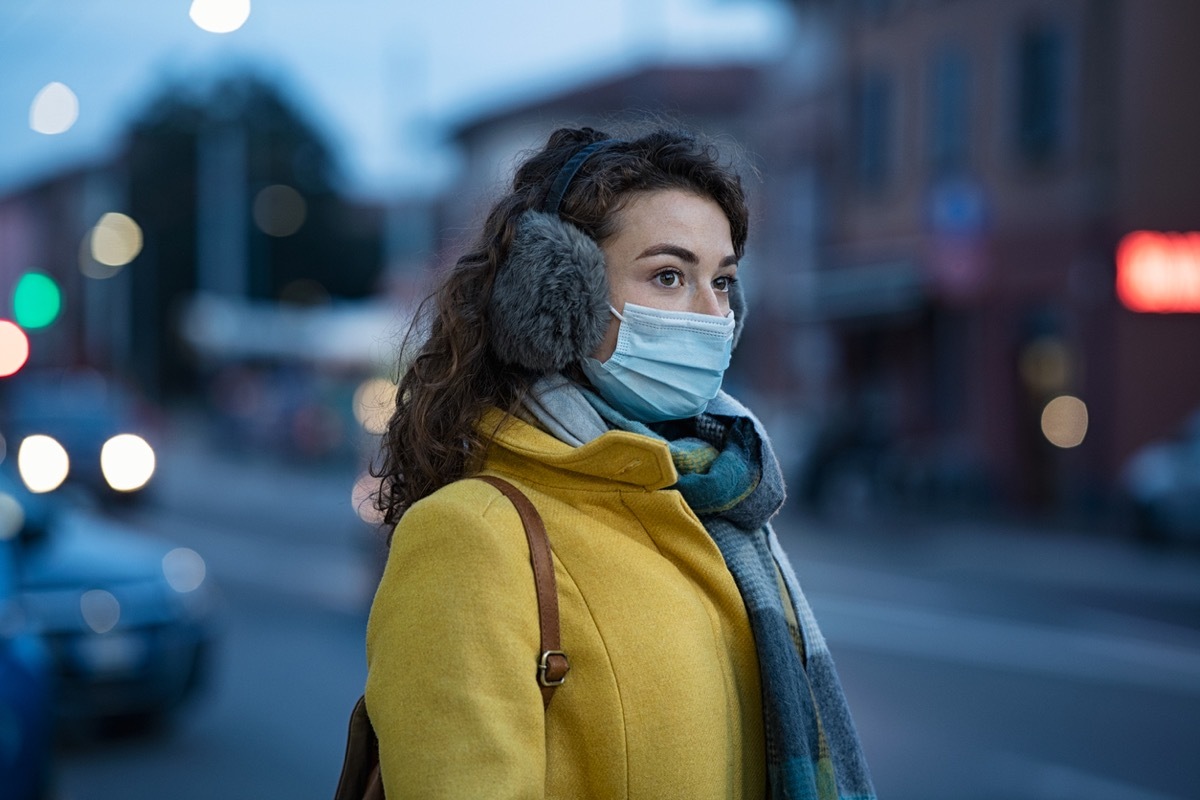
x,y
90,267
12,516
1046,365
279,210
115,240
374,402
54,109
127,461
36,300
101,610
1159,272
184,569
42,462
14,348
219,16
1065,421
362,497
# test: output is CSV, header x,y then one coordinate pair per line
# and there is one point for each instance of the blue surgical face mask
x,y
667,364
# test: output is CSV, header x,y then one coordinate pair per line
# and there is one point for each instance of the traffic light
x,y
37,300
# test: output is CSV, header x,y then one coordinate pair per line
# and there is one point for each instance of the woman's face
x,y
673,251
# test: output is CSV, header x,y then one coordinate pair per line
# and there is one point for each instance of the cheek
x,y
609,343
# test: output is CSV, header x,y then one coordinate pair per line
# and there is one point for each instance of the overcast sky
x,y
376,75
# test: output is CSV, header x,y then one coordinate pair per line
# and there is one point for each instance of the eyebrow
x,y
682,253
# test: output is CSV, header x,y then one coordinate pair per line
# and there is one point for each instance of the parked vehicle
x,y
1162,480
26,678
128,620
80,427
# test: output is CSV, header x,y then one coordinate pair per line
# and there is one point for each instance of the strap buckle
x,y
553,674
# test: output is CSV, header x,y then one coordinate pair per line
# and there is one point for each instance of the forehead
x,y
671,214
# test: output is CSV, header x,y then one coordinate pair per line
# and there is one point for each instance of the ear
x,y
737,304
549,304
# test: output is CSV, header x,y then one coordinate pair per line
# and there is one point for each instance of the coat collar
x,y
617,458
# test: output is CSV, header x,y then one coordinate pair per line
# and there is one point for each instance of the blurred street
x,y
981,660
973,284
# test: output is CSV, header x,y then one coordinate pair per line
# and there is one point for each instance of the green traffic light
x,y
36,300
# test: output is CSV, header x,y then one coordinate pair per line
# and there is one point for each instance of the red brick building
x,y
944,207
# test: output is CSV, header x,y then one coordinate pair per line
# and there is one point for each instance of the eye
x,y
724,283
668,278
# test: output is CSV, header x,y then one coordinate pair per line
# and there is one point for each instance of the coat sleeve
x,y
452,646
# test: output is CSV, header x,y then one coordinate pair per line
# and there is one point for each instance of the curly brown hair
x,y
433,437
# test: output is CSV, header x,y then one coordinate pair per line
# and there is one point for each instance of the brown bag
x,y
360,778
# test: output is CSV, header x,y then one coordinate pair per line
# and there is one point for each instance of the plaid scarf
x,y
730,478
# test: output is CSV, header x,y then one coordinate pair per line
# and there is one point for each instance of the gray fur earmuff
x,y
549,305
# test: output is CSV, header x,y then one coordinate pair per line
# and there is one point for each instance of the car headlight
x,y
42,462
127,461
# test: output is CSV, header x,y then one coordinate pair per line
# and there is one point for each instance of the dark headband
x,y
562,181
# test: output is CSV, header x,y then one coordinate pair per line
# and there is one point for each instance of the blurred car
x,y
127,619
80,427
1162,480
26,681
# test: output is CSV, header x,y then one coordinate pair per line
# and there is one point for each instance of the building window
x,y
873,106
949,122
1039,94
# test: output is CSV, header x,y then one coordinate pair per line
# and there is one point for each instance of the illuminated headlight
x,y
42,462
127,462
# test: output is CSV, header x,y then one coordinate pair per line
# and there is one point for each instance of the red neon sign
x,y
1159,272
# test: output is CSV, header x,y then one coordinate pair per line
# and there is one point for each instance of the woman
x,y
578,352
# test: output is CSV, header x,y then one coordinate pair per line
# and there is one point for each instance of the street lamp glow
x,y
279,210
1065,421
362,497
219,16
374,403
43,463
116,240
100,609
12,516
184,569
54,109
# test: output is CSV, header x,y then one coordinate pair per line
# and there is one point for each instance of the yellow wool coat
x,y
663,697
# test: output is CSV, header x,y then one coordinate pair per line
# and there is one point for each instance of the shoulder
x,y
466,534
466,512
466,497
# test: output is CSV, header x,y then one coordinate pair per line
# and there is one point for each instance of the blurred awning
x,y
349,334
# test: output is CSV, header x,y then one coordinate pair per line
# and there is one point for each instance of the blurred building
x,y
225,191
947,199
710,98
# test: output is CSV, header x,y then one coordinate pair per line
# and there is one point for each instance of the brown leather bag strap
x,y
360,777
552,663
